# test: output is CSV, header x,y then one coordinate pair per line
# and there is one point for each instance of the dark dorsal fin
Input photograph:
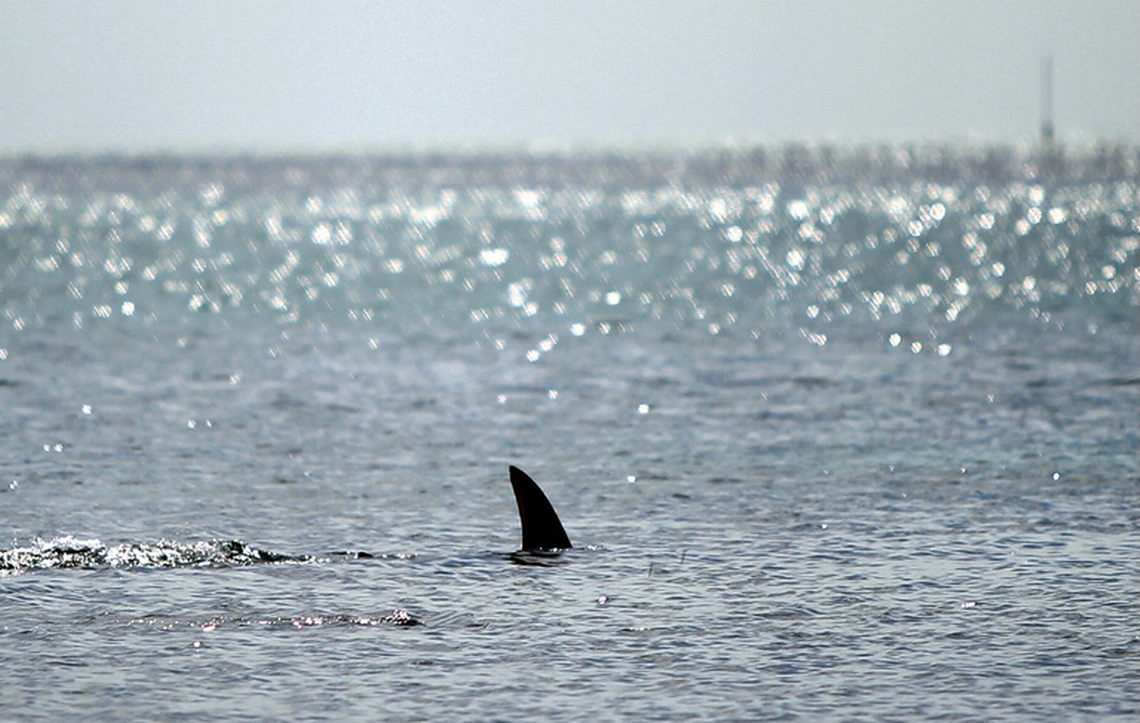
x,y
541,528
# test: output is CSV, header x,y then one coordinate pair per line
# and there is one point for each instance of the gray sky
x,y
136,75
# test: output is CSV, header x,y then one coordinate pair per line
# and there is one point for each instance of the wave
x,y
398,617
71,552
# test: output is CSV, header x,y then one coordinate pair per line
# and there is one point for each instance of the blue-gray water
x,y
838,435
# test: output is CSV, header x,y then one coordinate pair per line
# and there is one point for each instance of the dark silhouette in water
x,y
542,531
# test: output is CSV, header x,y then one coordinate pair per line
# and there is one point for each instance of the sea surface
x,y
838,433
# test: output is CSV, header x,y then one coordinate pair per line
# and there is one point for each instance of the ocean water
x,y
838,434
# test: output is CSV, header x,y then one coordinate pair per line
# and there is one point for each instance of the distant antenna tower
x,y
1048,138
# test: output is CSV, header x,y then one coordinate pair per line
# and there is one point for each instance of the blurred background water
x,y
838,432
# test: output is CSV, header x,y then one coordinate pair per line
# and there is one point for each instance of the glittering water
x,y
838,434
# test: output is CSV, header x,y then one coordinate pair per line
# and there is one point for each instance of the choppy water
x,y
838,434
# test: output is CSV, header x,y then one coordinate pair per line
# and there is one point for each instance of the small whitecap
x,y
795,259
494,257
516,293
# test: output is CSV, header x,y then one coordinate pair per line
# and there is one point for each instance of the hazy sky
x,y
138,75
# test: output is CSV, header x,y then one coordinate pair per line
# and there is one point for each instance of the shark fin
x,y
541,528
